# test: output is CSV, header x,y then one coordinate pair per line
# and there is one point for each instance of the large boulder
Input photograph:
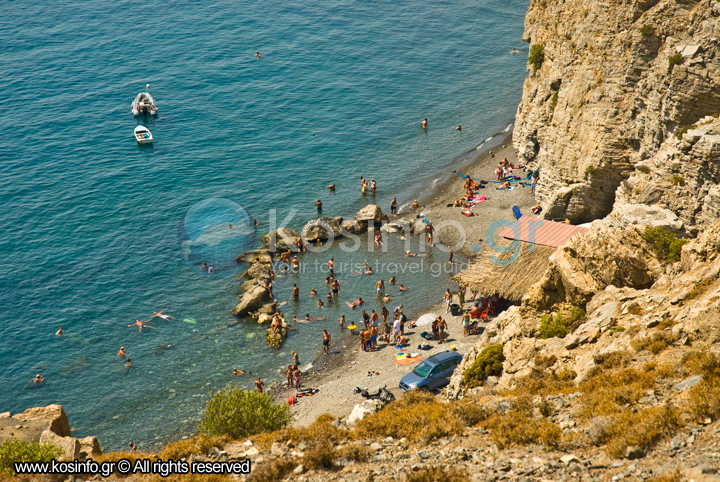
x,y
251,300
322,229
70,446
281,239
353,226
371,213
257,271
262,255
89,447
29,424
362,409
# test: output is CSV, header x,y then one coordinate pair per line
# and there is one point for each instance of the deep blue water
x,y
90,219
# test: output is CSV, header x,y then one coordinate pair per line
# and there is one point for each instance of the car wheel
x,y
424,389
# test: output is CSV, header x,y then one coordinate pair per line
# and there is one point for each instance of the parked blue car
x,y
433,373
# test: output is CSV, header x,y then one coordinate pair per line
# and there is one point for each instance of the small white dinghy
x,y
143,135
144,104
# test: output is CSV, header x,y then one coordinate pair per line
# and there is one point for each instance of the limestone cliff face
x,y
682,177
607,94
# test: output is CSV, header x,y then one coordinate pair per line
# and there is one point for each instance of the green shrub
x,y
554,326
537,56
16,450
647,30
682,131
664,243
673,60
488,363
238,413
676,180
590,170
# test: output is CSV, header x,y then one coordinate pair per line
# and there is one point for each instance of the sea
x,y
91,222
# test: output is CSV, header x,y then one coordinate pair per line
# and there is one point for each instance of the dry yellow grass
x,y
654,343
610,391
643,428
438,474
416,416
188,478
199,444
544,382
514,428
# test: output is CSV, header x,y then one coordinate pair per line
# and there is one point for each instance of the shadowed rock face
x,y
605,97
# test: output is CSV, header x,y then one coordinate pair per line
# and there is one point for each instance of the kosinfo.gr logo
x,y
213,233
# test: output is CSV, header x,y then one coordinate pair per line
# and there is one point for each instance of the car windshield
x,y
423,369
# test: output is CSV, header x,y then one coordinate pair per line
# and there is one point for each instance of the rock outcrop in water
x,y
614,81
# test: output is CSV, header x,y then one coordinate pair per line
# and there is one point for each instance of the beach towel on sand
x,y
516,212
408,361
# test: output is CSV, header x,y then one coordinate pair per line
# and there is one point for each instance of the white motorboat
x,y
144,104
143,135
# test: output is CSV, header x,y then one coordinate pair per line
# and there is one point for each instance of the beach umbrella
x,y
426,319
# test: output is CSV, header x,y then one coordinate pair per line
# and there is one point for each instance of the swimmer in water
x,y
122,351
386,298
318,203
515,51
402,287
142,324
424,124
331,187
204,266
38,378
164,317
59,332
128,363
237,372
313,293
257,54
392,280
458,128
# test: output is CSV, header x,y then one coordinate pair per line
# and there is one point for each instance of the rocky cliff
x,y
609,82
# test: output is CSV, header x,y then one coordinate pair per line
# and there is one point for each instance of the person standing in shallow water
x,y
259,385
424,123
326,342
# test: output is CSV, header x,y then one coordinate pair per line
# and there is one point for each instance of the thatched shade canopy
x,y
511,281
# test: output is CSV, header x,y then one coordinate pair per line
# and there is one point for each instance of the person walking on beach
x,y
259,385
442,326
447,299
133,447
373,337
296,375
450,258
326,342
393,206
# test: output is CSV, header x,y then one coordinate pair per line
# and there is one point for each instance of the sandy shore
x,y
347,366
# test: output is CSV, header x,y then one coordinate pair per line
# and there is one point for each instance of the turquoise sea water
x,y
89,219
